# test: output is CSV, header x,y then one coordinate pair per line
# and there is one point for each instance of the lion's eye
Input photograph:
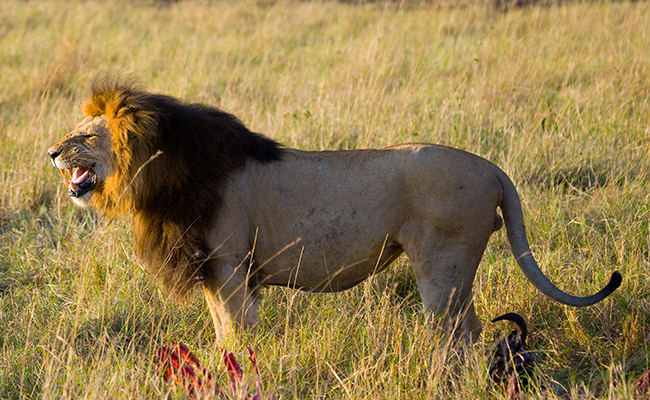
x,y
87,136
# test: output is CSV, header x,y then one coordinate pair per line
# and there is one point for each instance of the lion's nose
x,y
54,153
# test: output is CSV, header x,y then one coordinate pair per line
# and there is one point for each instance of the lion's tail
x,y
514,220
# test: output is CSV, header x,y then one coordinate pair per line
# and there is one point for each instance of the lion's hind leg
x,y
444,272
452,312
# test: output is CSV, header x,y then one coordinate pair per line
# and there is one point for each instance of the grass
x,y
558,96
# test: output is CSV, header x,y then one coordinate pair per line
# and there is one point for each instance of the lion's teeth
x,y
65,181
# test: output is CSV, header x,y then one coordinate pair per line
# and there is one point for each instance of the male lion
x,y
215,203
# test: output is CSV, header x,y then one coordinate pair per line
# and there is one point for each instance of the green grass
x,y
558,96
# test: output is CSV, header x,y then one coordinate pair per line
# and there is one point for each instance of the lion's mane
x,y
171,160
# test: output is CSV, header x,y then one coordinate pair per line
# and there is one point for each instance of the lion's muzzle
x,y
81,179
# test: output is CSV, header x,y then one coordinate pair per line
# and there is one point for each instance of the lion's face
x,y
85,156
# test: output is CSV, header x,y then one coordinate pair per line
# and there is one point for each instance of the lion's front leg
x,y
230,300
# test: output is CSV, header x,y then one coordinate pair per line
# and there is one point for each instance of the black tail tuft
x,y
614,282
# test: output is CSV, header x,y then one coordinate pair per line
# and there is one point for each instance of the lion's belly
x,y
317,225
324,262
325,245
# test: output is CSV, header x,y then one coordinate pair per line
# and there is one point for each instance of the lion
x,y
216,205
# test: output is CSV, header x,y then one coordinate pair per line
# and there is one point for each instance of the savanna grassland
x,y
558,96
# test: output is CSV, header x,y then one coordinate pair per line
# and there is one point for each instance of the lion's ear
x,y
106,101
94,107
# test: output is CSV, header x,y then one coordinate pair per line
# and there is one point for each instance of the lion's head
x,y
161,161
103,153
84,156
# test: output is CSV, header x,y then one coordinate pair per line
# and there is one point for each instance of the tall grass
x,y
559,96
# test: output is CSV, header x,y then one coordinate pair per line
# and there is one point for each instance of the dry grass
x,y
559,96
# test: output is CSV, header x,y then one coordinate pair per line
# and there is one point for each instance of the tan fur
x,y
217,204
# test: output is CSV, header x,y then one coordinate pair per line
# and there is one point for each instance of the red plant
x,y
176,362
514,387
642,385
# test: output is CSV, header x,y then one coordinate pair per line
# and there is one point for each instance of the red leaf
x,y
180,364
258,385
643,383
177,362
234,370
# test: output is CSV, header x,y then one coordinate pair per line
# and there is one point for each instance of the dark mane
x,y
173,195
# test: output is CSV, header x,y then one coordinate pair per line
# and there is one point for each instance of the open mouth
x,y
82,180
